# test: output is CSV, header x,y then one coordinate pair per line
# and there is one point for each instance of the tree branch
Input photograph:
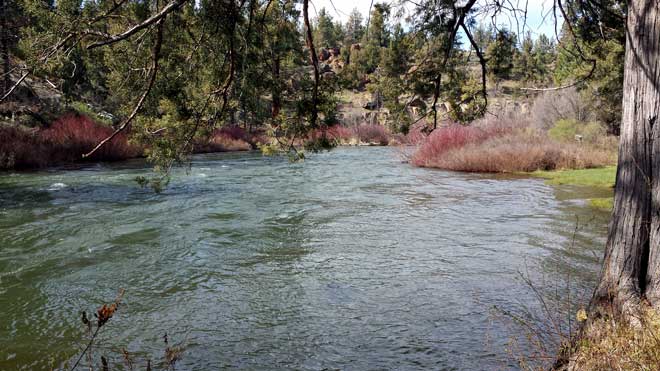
x,y
111,39
138,106
11,90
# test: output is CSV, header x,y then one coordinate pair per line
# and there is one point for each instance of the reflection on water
x,y
350,260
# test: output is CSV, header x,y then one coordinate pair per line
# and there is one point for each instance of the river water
x,y
351,260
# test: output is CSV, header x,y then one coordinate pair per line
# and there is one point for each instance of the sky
x,y
536,9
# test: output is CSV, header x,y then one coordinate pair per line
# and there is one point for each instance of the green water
x,y
350,260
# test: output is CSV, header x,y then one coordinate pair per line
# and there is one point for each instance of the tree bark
x,y
315,63
631,269
275,89
4,47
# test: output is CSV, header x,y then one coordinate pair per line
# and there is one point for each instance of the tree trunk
x,y
277,101
4,47
631,270
315,63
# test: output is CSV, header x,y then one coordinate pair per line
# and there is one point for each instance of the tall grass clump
x,y
613,343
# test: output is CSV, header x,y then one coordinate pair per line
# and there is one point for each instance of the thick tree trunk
x,y
631,270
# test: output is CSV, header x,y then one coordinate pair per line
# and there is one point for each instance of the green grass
x,y
599,177
605,203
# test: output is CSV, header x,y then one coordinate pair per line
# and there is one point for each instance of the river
x,y
350,260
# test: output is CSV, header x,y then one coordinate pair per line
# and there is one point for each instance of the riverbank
x,y
603,178
69,137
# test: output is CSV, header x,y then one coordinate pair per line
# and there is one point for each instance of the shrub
x,y
593,132
71,136
21,148
66,140
564,130
505,145
224,140
371,133
567,130
517,152
444,139
232,132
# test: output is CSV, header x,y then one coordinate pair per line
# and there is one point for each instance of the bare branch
x,y
11,90
111,39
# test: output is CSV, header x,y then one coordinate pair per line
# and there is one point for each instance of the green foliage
x,y
500,55
564,130
568,129
326,33
84,109
604,44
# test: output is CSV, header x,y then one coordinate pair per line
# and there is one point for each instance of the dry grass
x,y
516,153
612,344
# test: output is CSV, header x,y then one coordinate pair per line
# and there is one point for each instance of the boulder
x,y
324,55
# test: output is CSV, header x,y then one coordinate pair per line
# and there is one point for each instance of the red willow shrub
x,y
450,137
372,133
21,148
363,133
66,140
71,136
224,140
497,147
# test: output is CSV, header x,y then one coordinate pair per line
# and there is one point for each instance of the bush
x,y
568,130
447,138
71,136
518,152
372,133
227,139
564,130
66,140
21,148
506,145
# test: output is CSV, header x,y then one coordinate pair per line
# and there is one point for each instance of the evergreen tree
x,y
354,28
501,54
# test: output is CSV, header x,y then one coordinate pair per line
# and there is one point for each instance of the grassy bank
x,y
599,177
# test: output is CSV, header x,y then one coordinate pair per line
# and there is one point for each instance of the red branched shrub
x,y
372,133
66,140
224,140
71,136
232,132
522,152
21,148
498,148
455,136
340,132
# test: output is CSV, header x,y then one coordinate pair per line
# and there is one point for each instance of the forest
x,y
467,88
